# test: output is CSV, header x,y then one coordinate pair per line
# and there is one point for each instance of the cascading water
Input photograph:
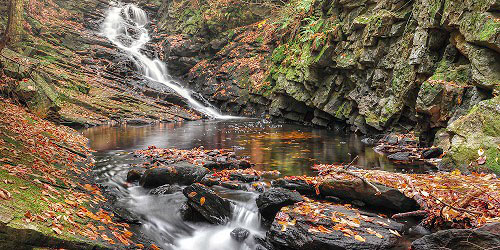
x,y
125,27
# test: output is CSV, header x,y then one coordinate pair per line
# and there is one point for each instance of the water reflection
x,y
291,149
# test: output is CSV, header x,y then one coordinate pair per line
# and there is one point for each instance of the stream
x,y
290,149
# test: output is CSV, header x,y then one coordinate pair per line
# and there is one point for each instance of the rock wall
x,y
422,65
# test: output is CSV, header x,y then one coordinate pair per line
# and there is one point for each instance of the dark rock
x,y
245,165
134,175
181,173
271,201
356,189
297,233
209,181
491,227
262,243
165,189
220,165
205,201
233,185
432,153
463,239
400,156
297,185
240,234
244,177
188,213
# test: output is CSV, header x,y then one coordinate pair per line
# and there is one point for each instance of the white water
x,y
163,224
126,24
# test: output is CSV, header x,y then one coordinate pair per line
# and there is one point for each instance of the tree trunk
x,y
13,32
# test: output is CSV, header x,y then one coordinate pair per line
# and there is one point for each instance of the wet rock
x,y
244,177
139,122
369,141
165,189
262,243
244,164
134,175
205,201
240,234
233,185
220,165
180,173
432,153
188,213
399,156
296,229
463,239
356,189
297,185
209,181
271,201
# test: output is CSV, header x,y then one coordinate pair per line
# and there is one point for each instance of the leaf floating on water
x,y
154,247
202,201
192,194
359,238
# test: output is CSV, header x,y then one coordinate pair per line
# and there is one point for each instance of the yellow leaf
x,y
395,232
359,238
202,201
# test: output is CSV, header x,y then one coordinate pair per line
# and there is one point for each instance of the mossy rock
x,y
479,129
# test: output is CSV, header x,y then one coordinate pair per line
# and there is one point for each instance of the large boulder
x,y
297,185
335,227
206,202
355,189
464,239
180,173
271,201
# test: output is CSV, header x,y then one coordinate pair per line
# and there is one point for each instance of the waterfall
x,y
125,27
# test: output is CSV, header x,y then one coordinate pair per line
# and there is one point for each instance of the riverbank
x,y
49,198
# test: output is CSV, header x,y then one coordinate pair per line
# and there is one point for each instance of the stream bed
x,y
290,149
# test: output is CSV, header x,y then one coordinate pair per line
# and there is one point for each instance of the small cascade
x,y
125,27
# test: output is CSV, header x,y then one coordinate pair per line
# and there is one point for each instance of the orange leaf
x,y
202,201
192,194
154,247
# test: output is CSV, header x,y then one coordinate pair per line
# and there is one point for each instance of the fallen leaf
x,y
395,232
359,238
202,201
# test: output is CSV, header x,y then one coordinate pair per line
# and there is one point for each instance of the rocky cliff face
x,y
428,65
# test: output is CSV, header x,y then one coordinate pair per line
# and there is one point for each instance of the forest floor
x,y
47,194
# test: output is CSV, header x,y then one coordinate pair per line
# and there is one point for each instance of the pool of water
x,y
291,149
